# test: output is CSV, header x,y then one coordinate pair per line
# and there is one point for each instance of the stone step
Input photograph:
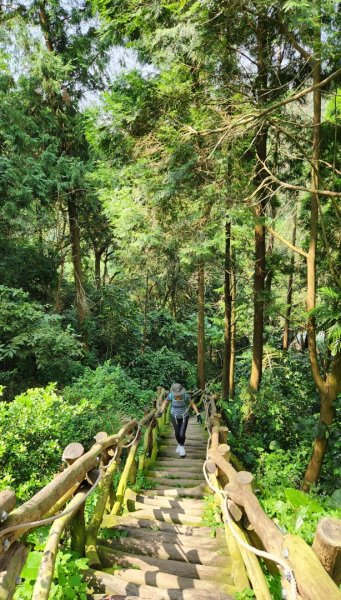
x,y
166,551
110,557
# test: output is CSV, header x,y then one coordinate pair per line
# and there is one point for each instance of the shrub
x,y
37,425
34,344
163,367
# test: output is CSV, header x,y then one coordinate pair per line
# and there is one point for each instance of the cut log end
x,y
244,478
100,436
72,452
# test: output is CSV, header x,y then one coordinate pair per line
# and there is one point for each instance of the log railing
x,y
248,523
62,501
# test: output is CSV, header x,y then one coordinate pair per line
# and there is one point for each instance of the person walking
x,y
181,402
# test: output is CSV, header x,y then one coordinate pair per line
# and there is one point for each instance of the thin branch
x,y
279,237
304,92
300,188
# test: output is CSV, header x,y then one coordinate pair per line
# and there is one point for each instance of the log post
x,y
142,457
72,452
77,531
327,546
244,480
224,451
122,486
217,420
254,571
97,515
312,580
215,438
43,582
7,503
154,448
11,564
223,433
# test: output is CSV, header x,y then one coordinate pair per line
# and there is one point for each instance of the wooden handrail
x,y
105,453
313,581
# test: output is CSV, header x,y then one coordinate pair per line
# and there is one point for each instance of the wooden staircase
x,y
160,548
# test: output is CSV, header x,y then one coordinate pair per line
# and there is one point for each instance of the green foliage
x,y
109,388
283,409
34,342
245,594
211,516
297,512
115,329
67,584
31,446
328,315
163,367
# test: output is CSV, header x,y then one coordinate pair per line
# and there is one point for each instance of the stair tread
x,y
172,536
117,585
168,515
110,556
166,580
130,519
165,550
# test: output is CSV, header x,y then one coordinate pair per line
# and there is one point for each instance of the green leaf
x,y
31,567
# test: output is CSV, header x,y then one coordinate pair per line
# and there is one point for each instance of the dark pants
x,y
180,426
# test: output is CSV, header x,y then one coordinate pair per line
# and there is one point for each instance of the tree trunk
x,y
228,310
145,316
259,274
98,256
328,388
81,302
286,333
201,326
327,412
58,297
269,277
261,174
233,329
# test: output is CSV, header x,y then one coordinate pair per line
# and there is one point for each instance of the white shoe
x,y
182,452
178,448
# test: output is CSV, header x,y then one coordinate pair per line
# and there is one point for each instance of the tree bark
x,y
81,302
98,256
201,326
145,314
260,245
259,274
330,386
286,333
269,277
233,329
228,311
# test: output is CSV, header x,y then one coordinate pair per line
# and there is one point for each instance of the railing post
x,y
327,546
77,531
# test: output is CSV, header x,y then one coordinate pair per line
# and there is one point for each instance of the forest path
x,y
163,550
